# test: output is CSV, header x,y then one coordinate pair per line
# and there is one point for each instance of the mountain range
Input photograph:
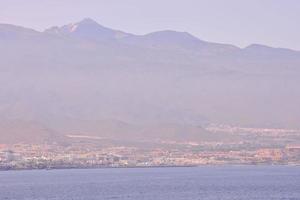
x,y
83,76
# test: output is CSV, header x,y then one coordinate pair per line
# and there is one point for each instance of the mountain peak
x,y
260,47
172,35
257,46
171,39
88,29
88,21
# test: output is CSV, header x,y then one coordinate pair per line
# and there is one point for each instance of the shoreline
x,y
151,167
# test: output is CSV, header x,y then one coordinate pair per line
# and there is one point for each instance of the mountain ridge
x,y
90,22
180,80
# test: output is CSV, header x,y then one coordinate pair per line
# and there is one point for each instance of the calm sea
x,y
203,183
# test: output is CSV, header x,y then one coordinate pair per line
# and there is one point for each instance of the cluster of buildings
x,y
26,156
248,146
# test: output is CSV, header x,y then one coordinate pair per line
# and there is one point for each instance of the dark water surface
x,y
203,183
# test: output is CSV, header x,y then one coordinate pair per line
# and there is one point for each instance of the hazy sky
x,y
239,22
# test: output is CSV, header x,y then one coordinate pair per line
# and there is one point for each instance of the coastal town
x,y
47,157
84,153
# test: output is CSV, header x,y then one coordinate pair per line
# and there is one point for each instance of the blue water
x,y
211,183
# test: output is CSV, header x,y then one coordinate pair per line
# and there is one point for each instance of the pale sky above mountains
x,y
270,22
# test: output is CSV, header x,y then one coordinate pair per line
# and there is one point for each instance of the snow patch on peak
x,y
73,28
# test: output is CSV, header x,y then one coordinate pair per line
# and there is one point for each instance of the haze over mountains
x,y
86,78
